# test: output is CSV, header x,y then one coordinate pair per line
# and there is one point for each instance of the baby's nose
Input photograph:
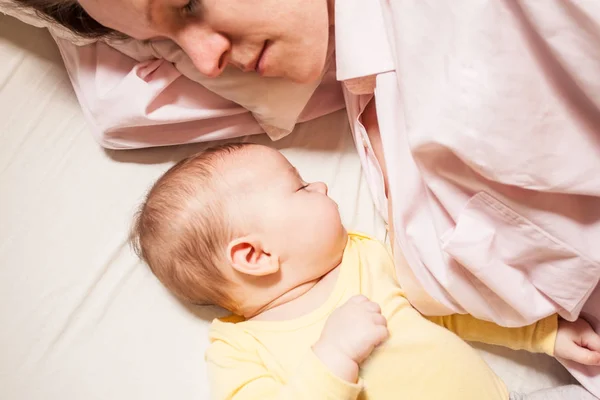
x,y
320,187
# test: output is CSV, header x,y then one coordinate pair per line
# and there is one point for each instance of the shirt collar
x,y
361,43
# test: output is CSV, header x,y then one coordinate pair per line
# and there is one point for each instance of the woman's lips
x,y
261,63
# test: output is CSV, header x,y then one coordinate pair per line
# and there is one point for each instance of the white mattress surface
x,y
80,317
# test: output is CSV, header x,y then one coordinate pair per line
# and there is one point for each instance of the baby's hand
x,y
577,341
350,334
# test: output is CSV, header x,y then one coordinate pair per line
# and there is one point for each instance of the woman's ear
x,y
247,256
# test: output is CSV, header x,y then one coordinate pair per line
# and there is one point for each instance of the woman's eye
x,y
191,7
304,187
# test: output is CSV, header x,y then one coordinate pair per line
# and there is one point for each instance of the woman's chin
x,y
309,73
308,79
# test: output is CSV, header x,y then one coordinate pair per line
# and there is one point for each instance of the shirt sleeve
x,y
239,375
539,337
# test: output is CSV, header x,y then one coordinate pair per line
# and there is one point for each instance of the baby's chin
x,y
343,241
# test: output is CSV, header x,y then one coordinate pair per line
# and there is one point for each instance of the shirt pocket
x,y
518,260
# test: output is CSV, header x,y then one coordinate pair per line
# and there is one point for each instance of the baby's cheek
x,y
332,222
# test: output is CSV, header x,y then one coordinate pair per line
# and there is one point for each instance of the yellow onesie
x,y
424,358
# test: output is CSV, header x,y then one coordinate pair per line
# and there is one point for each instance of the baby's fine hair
x,y
182,228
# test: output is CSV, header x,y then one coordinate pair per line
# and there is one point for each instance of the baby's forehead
x,y
258,165
260,159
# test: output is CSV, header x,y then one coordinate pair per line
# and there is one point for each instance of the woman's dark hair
x,y
69,14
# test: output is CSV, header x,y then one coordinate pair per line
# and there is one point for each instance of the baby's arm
x,y
239,375
574,341
328,371
536,338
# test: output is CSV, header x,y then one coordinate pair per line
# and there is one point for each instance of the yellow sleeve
x,y
239,375
536,338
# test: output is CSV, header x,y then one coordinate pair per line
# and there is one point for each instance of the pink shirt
x,y
144,102
493,153
489,115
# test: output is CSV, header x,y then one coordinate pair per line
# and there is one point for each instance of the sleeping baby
x,y
318,312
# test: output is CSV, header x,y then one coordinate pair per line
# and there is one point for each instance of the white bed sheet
x,y
80,317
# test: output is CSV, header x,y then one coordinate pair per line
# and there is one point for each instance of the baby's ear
x,y
247,256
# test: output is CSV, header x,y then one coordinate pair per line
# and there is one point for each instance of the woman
x,y
478,126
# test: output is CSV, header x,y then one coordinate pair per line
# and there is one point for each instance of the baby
x,y
318,311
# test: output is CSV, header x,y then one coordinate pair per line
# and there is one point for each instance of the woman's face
x,y
284,38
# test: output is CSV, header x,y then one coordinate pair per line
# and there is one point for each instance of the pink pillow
x,y
275,103
132,104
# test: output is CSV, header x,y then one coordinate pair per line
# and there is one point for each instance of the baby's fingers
x,y
381,334
591,340
379,319
582,355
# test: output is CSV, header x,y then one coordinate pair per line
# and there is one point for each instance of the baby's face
x,y
299,221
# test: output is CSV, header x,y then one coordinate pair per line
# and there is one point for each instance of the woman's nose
x,y
208,50
320,187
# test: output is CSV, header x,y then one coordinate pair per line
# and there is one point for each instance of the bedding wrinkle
x,y
85,299
122,281
19,144
11,67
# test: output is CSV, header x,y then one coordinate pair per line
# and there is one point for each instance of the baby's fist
x,y
577,341
355,329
